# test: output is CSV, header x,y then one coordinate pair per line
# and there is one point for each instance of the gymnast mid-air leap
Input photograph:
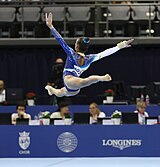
x,y
77,62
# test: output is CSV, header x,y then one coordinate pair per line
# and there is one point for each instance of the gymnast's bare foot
x,y
106,77
50,90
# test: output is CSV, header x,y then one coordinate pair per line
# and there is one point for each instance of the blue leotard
x,y
71,66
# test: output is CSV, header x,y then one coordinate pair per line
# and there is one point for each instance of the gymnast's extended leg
x,y
58,92
78,83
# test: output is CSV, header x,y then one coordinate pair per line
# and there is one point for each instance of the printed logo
x,y
78,70
122,144
67,142
24,142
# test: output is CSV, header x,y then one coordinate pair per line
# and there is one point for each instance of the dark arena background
x,y
28,52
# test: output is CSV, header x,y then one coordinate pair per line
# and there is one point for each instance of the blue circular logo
x,y
67,142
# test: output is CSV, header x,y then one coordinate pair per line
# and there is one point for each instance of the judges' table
x,y
153,110
80,141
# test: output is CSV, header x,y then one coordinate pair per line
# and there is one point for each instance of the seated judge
x,y
62,112
141,110
21,113
95,113
2,92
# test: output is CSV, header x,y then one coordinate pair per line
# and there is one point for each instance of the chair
x,y
58,13
7,17
14,96
78,17
158,12
154,92
118,16
119,90
58,17
157,22
136,91
30,16
141,15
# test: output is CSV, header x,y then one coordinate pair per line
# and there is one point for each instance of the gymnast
x,y
77,62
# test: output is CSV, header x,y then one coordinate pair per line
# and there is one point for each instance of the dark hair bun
x,y
83,43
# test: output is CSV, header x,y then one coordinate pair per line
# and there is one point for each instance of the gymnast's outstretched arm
x,y
107,52
58,37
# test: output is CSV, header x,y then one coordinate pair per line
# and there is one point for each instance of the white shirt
x,y
101,115
56,115
141,117
3,96
14,116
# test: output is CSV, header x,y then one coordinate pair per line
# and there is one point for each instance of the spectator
x,y
21,113
141,110
63,111
95,113
56,80
2,92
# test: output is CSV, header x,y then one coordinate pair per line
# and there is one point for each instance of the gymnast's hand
x,y
125,44
49,20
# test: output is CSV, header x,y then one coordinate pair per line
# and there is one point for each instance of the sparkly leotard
x,y
71,66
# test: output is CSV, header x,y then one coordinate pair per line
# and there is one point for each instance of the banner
x,y
80,141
